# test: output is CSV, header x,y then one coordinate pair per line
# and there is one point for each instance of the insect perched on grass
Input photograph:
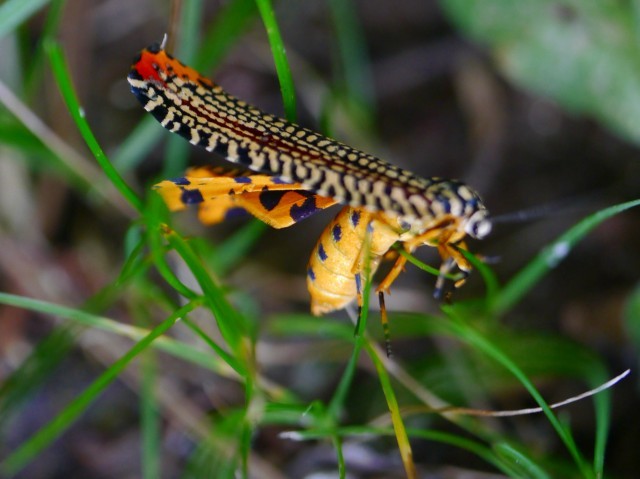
x,y
291,172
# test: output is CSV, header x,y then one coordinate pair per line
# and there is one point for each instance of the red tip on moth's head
x,y
154,60
149,64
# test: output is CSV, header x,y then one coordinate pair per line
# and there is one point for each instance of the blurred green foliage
x,y
584,55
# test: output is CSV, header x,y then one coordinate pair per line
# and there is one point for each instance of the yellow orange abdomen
x,y
338,257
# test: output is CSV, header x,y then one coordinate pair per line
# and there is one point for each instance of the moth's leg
x,y
454,252
396,269
445,268
409,246
384,319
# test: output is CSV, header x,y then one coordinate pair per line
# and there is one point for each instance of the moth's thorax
x,y
448,205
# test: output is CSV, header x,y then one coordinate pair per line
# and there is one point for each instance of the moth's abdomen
x,y
339,255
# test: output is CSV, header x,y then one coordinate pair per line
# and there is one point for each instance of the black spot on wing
x,y
270,199
191,197
306,209
182,181
235,213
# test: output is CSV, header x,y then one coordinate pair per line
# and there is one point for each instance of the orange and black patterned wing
x,y
187,103
217,192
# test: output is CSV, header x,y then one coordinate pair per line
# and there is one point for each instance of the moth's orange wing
x,y
217,191
282,208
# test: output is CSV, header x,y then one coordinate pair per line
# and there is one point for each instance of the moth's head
x,y
478,225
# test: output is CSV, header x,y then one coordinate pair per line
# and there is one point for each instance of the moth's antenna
x,y
560,207
163,44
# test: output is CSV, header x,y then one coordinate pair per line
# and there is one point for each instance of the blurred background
x,y
536,106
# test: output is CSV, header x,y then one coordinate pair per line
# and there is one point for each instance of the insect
x,y
290,172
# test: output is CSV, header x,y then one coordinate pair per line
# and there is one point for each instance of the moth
x,y
289,172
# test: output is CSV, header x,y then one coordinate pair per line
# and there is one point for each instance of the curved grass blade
x,y
479,342
354,61
549,258
63,80
480,450
396,418
165,344
49,433
280,58
232,325
526,466
224,32
33,76
41,363
137,145
14,12
150,419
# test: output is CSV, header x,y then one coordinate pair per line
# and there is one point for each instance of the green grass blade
x,y
224,31
470,445
602,404
156,237
232,324
63,80
632,320
16,134
35,370
165,344
424,266
340,395
226,357
280,58
354,61
488,276
42,148
150,418
14,12
550,256
138,144
190,16
396,418
34,76
482,344
236,247
526,466
49,433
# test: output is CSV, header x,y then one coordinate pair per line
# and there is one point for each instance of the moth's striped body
x,y
339,256
397,205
